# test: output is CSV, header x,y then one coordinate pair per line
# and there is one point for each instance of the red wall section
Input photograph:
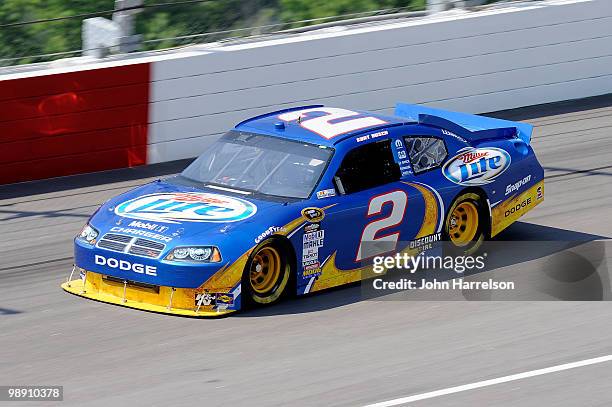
x,y
71,123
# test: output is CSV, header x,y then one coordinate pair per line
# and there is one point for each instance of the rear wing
x,y
471,127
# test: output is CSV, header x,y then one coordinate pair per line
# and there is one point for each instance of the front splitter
x,y
77,287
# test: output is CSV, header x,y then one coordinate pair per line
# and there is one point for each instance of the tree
x,y
295,10
47,37
158,25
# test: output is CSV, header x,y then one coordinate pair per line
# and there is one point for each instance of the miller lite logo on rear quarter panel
x,y
476,166
187,207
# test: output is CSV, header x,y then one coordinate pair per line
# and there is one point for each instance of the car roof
x,y
270,124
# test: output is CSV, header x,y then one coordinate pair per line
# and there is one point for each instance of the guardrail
x,y
161,107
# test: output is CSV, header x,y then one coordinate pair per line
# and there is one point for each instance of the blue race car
x,y
301,200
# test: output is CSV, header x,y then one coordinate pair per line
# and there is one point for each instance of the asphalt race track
x,y
325,350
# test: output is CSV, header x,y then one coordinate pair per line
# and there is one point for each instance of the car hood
x,y
171,212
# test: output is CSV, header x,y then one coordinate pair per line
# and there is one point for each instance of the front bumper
x,y
161,299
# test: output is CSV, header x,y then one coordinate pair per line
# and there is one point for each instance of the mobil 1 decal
x,y
476,166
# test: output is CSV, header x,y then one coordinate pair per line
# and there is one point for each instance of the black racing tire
x,y
267,274
466,224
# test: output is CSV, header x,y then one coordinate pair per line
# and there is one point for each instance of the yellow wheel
x,y
464,224
267,273
265,269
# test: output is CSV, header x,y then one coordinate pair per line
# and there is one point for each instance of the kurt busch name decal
x,y
476,166
186,207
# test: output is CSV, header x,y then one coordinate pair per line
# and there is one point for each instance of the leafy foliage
x,y
295,10
43,38
158,25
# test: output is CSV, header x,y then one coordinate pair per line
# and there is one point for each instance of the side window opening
x,y
425,153
367,166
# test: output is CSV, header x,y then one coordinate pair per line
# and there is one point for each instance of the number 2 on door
x,y
370,244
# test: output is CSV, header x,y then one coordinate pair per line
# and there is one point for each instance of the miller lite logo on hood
x,y
187,207
476,166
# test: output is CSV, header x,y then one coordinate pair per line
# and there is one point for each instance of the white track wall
x,y
473,62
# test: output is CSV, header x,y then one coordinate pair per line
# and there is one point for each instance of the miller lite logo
x,y
186,207
476,166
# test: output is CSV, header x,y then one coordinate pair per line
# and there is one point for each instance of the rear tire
x,y
267,274
465,226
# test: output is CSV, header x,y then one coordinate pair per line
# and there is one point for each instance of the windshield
x,y
258,163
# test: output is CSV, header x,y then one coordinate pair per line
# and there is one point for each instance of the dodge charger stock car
x,y
298,200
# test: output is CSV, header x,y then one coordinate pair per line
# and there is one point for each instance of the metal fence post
x,y
102,36
434,6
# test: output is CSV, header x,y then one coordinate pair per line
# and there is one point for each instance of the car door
x,y
370,217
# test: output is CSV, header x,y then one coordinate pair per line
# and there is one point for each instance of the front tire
x,y
267,274
465,224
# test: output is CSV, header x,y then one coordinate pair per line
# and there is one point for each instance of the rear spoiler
x,y
471,127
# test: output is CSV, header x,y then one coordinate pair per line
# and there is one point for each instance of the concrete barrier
x,y
73,122
468,61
